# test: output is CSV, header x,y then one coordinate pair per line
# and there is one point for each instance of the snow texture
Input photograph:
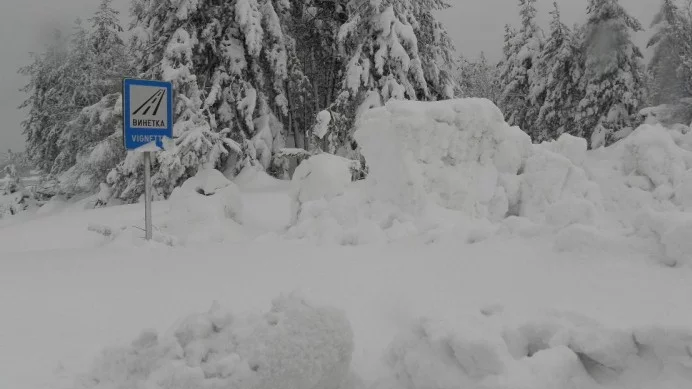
x,y
322,124
206,207
294,345
549,351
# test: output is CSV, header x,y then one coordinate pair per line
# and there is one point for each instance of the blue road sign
x,y
147,112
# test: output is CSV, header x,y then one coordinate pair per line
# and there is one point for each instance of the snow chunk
x,y
294,345
207,206
322,124
322,176
545,351
569,146
450,151
206,196
550,182
572,211
678,243
449,357
683,191
651,152
206,182
672,233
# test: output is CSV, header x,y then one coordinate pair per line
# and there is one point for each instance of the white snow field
x,y
468,258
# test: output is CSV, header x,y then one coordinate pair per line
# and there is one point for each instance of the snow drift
x,y
294,345
550,351
444,166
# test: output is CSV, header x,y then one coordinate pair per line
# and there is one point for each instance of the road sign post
x,y
147,122
147,196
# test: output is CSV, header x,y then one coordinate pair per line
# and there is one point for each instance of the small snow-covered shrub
x,y
207,195
207,206
294,345
322,176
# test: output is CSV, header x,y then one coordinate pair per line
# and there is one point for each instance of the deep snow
x,y
468,257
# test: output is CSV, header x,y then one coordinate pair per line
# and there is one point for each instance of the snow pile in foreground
x,y
545,352
458,155
294,345
297,345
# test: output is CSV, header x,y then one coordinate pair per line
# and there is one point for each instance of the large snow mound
x,y
294,345
458,155
544,352
461,154
449,165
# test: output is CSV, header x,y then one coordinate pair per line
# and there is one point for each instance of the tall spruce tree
x,y
668,54
49,94
517,72
556,88
613,81
90,143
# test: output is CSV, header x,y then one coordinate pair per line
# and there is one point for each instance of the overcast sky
x,y
475,26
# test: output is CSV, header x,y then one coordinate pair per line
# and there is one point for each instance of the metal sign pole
x,y
147,195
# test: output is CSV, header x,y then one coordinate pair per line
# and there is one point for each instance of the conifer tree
x,y
613,82
478,79
556,89
46,102
668,87
517,72
91,142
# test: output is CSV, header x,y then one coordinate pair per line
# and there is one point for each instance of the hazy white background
x,y
475,26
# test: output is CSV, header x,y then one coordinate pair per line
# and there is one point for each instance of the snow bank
x,y
544,352
294,345
206,208
671,231
459,153
651,152
556,190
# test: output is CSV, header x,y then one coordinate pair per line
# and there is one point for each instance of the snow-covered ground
x,y
468,258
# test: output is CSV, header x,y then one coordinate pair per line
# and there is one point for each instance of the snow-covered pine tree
x,y
669,82
559,71
383,61
163,44
613,81
517,73
92,146
435,47
245,80
315,69
47,102
109,64
90,143
228,61
478,79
